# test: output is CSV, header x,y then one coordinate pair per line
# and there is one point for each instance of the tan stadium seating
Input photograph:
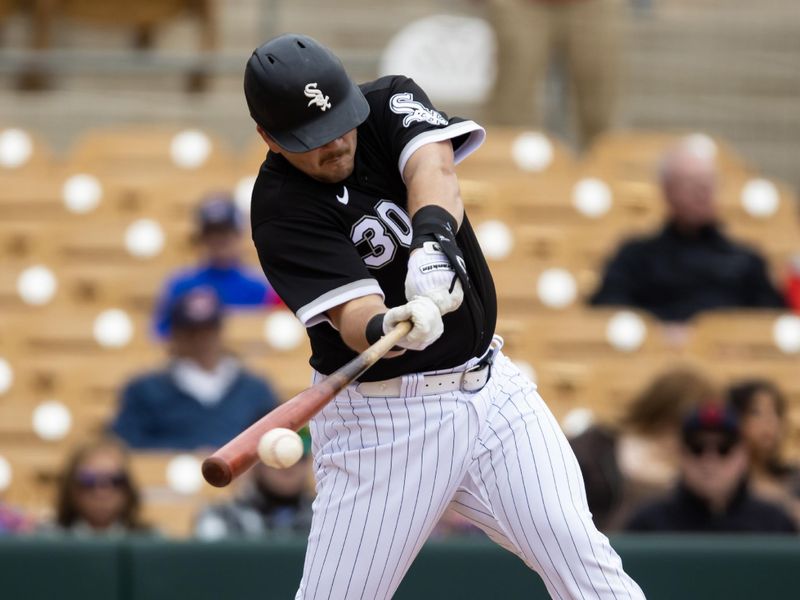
x,y
576,335
738,335
156,195
34,467
142,151
71,332
135,288
29,240
635,155
495,157
253,155
288,370
55,356
25,198
605,385
104,242
33,156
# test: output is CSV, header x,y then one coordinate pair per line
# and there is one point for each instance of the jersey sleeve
x,y
411,121
312,266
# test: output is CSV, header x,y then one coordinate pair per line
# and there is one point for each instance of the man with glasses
x,y
712,494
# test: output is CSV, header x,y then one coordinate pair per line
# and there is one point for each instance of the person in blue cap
x,y
219,237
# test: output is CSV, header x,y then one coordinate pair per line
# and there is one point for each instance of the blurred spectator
x,y
712,494
761,409
203,396
96,492
625,465
690,265
13,521
583,34
219,235
453,525
793,285
272,503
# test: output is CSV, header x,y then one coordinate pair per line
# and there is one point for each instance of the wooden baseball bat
x,y
238,455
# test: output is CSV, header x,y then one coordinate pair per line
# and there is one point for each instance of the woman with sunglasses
x,y
96,493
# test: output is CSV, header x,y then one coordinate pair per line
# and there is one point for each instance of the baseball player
x,y
358,223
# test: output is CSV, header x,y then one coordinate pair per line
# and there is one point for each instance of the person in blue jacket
x,y
219,236
203,397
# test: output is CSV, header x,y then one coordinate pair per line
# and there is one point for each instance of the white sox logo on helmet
x,y
317,97
404,104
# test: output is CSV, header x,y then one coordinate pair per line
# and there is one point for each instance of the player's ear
x,y
273,147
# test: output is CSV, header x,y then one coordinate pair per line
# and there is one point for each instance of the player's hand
x,y
426,320
431,274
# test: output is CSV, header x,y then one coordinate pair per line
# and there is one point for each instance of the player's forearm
x,y
430,178
351,319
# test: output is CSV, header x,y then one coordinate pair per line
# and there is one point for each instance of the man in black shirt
x,y
712,494
690,265
358,222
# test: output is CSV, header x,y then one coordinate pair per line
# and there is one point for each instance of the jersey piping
x,y
313,313
477,135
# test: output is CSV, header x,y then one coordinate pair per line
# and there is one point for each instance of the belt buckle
x,y
484,363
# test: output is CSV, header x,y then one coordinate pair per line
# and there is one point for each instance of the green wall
x,y
671,567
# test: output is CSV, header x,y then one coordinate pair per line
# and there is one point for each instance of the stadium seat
x,y
123,242
633,155
286,365
514,150
22,152
168,509
34,469
86,332
26,197
135,288
739,335
133,152
582,335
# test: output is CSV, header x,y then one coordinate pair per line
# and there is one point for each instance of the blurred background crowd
x,y
636,200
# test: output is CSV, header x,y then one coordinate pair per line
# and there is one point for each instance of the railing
x,y
666,567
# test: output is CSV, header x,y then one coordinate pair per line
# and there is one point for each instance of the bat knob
x,y
217,472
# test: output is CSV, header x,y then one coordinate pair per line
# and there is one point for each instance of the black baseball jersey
x,y
323,244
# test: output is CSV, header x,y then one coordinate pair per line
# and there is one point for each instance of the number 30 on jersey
x,y
377,237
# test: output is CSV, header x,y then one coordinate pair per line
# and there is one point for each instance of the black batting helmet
x,y
299,93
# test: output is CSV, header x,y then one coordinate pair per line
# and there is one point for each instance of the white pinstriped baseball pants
x,y
387,468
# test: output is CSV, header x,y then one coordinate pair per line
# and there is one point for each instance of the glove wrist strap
x,y
433,223
429,221
374,330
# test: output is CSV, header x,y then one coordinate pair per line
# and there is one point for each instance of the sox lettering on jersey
x,y
404,104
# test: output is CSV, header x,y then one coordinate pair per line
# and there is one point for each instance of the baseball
x,y
280,448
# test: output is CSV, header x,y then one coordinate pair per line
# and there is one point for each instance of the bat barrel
x,y
217,472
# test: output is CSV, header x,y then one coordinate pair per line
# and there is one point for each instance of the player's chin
x,y
337,170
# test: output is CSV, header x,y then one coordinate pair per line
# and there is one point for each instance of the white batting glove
x,y
426,320
431,274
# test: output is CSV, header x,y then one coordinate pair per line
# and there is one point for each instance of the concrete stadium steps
x,y
727,67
